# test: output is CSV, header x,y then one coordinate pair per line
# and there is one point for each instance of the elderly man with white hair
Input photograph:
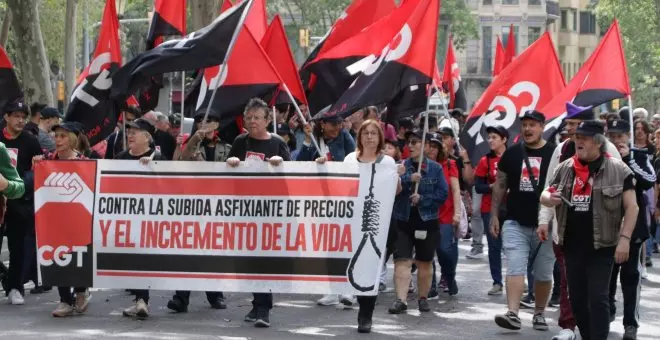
x,y
640,113
164,142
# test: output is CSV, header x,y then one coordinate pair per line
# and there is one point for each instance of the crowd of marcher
x,y
571,216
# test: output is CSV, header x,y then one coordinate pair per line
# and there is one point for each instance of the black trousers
x,y
16,227
30,258
588,274
262,300
142,294
631,283
65,293
184,295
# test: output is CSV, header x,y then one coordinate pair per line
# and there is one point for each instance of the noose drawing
x,y
370,222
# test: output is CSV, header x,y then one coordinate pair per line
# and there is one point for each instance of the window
x,y
505,35
564,19
533,33
487,50
510,2
574,13
534,2
488,2
587,23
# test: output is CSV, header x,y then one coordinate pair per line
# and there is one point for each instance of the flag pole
x,y
302,118
632,127
171,88
421,152
232,43
123,127
274,120
183,92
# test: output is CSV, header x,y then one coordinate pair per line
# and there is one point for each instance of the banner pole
x,y
274,120
223,65
632,126
302,118
171,88
421,152
183,92
123,127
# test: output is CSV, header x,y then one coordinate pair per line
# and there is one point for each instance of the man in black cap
x,y
49,117
459,115
19,219
593,194
618,132
116,139
521,171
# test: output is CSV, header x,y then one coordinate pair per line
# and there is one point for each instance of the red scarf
x,y
581,173
7,135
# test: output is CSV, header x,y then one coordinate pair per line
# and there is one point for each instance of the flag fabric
x,y
407,59
204,48
602,78
249,73
500,56
531,81
338,67
226,4
452,80
276,45
510,52
257,19
169,19
90,102
10,89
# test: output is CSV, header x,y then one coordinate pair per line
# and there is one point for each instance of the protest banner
x,y
296,228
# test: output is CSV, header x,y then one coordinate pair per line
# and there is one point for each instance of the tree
x,y
70,48
640,28
4,30
203,12
31,54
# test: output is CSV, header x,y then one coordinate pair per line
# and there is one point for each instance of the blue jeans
x,y
494,252
447,252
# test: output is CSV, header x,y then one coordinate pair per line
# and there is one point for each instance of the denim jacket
x,y
339,148
433,190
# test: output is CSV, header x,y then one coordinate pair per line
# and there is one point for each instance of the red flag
x,y
452,80
276,45
406,60
90,102
10,90
169,19
226,4
528,83
603,77
510,47
500,56
257,19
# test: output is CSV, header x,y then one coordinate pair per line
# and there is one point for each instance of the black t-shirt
x,y
166,143
248,147
522,202
126,155
579,233
21,151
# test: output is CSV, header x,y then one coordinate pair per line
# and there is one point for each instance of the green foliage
x,y
640,28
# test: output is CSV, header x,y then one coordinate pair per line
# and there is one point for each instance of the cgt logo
x,y
62,187
61,256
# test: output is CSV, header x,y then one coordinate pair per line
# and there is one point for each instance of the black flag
x,y
10,90
204,48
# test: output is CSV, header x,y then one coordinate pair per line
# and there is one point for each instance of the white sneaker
x,y
475,254
644,273
565,334
140,310
328,300
15,297
348,301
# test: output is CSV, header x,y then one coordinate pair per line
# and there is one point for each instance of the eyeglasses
x,y
413,142
249,118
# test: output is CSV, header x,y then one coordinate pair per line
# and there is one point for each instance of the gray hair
x,y
602,141
258,104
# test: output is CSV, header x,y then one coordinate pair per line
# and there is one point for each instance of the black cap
x,y
50,112
534,115
332,118
624,113
457,112
407,123
16,106
417,133
74,127
433,137
446,131
213,115
498,129
618,126
141,124
590,128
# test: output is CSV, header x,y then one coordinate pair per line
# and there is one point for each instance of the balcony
x,y
552,10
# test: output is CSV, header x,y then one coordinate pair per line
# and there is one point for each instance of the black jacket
x,y
645,178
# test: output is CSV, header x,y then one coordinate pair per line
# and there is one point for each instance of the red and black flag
x,y
358,16
452,80
276,45
248,74
10,89
602,78
90,102
226,4
204,48
529,82
500,56
408,59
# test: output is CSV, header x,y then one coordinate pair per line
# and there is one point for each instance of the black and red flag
x,y
204,48
451,80
358,16
226,4
90,102
248,74
602,78
10,89
169,19
407,59
276,45
529,82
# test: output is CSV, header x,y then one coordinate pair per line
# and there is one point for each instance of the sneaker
x,y
423,305
15,297
644,273
453,288
140,310
82,302
630,333
364,324
554,301
63,310
649,262
382,287
398,307
527,302
433,293
539,323
263,319
218,304
251,316
475,254
495,290
40,289
442,285
177,305
348,300
510,320
328,300
565,334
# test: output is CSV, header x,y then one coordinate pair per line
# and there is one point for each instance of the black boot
x,y
177,305
364,324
